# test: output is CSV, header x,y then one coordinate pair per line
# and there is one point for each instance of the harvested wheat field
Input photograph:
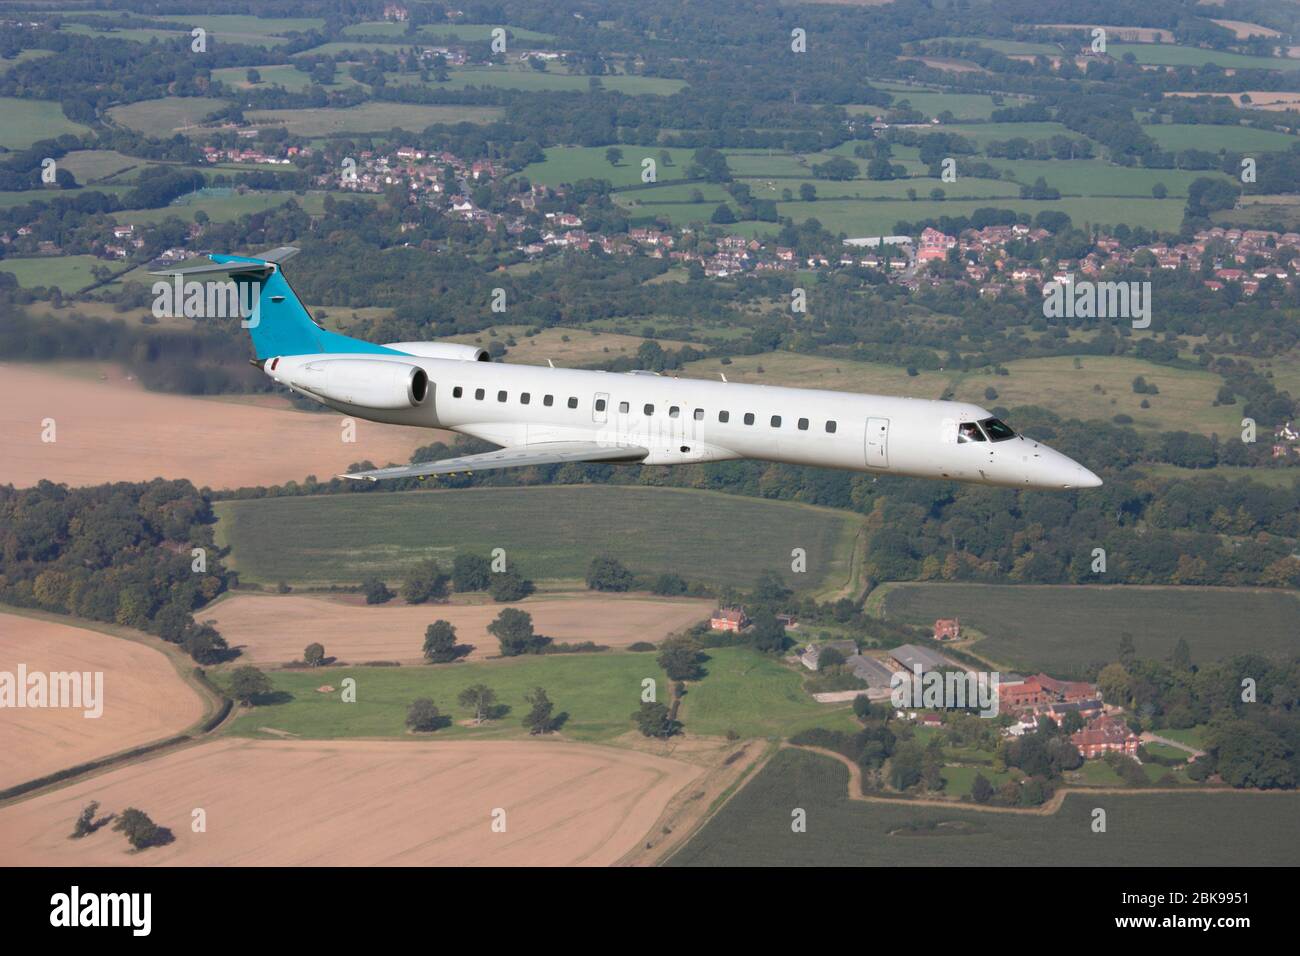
x,y
274,628
362,803
144,699
108,428
1244,31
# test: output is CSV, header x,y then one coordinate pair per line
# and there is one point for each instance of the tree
x,y
906,765
376,591
767,633
440,643
681,659
513,629
540,718
85,824
480,698
609,574
653,719
669,585
141,832
829,657
247,683
981,790
424,717
425,582
253,76
471,572
722,215
613,156
314,654
807,192
510,586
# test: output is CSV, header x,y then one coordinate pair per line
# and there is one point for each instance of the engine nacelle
x,y
442,350
363,382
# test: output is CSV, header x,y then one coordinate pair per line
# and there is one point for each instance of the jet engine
x,y
442,350
363,382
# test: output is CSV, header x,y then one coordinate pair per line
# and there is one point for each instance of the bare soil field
x,y
1259,99
108,428
276,628
144,698
362,803
1245,31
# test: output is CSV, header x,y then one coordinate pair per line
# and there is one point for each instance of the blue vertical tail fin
x,y
278,322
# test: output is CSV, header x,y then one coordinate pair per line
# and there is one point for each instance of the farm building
x,y
947,629
1103,735
910,656
811,656
728,619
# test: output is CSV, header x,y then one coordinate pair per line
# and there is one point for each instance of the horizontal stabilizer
x,y
262,265
543,453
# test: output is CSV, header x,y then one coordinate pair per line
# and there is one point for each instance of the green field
x,y
598,691
756,695
550,532
874,218
966,187
1178,136
1273,477
568,164
67,273
963,106
529,80
1103,387
743,691
166,116
1166,54
1165,829
222,28
370,118
1067,628
27,121
7,64
436,32
281,74
1096,177
224,208
89,165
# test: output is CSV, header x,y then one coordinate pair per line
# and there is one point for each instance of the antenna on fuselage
x,y
723,376
550,363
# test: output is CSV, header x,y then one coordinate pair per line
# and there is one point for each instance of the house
x,y
728,619
811,657
1017,695
947,629
934,245
1104,735
930,720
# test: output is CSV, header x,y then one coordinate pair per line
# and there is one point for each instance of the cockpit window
x,y
996,430
969,431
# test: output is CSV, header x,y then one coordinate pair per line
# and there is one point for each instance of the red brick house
x,y
728,619
1104,735
947,629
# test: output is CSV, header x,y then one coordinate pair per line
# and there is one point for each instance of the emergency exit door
x,y
877,446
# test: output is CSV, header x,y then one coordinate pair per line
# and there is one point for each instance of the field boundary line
x,y
1045,810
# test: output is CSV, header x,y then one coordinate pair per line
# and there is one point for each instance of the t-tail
x,y
278,321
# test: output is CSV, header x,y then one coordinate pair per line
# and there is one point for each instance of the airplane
x,y
546,415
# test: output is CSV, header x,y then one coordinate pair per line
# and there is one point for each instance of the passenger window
x,y
622,408
724,416
479,393
969,431
674,412
573,403
649,410
776,421
699,414
803,424
501,396
525,398
457,392
600,404
830,427
749,418
548,400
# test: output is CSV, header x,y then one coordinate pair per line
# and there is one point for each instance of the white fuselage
x,y
686,420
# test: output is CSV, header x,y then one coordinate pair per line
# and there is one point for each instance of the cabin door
x,y
877,443
600,408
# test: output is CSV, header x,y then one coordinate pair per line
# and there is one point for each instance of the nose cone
x,y
1051,470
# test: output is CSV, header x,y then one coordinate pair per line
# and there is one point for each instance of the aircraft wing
x,y
542,453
